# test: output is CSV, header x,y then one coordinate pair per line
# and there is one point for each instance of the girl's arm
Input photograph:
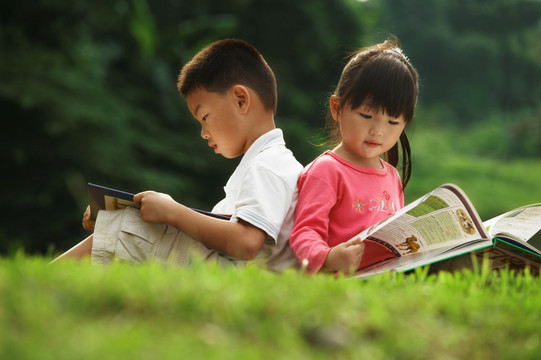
x,y
309,237
239,240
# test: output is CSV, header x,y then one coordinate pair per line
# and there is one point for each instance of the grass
x,y
78,311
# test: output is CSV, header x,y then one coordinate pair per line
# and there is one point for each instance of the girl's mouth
x,y
372,143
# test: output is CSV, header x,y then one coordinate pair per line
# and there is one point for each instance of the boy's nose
x,y
204,134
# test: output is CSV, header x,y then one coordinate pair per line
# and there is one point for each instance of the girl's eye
x,y
365,116
204,118
392,122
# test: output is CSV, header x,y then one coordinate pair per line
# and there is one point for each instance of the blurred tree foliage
x,y
88,93
88,88
476,59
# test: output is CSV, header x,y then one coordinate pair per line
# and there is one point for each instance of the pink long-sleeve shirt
x,y
337,200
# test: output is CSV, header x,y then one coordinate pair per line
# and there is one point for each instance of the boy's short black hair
x,y
229,62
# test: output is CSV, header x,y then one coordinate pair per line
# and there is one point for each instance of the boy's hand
x,y
155,207
345,257
88,224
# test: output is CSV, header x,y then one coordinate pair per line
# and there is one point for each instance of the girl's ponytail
x,y
393,157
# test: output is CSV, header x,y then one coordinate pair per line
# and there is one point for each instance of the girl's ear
x,y
334,107
241,96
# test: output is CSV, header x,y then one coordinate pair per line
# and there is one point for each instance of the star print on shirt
x,y
359,206
383,204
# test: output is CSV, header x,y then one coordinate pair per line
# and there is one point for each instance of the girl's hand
x,y
345,257
88,224
155,207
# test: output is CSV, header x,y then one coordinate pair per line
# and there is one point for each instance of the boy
x,y
231,91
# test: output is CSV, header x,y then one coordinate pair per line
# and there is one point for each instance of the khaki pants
x,y
122,235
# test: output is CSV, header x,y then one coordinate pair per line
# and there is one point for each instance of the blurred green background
x,y
88,93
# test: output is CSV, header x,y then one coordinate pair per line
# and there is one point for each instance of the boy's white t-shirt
x,y
263,192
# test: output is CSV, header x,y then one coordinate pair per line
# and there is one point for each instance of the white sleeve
x,y
264,200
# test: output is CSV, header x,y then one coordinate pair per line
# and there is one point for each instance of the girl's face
x,y
366,133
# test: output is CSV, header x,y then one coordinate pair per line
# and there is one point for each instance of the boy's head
x,y
226,63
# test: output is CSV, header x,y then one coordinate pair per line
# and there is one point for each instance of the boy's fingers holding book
x,y
155,207
88,224
151,195
137,198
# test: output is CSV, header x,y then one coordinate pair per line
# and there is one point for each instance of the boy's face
x,y
218,115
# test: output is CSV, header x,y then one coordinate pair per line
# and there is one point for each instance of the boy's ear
x,y
242,98
334,107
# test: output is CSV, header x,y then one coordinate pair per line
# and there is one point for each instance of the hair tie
x,y
397,51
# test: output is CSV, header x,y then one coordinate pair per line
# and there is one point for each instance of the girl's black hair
x,y
382,76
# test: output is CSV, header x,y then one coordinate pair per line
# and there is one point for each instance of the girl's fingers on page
x,y
357,241
359,248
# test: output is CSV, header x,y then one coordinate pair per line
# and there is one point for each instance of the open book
x,y
443,226
104,198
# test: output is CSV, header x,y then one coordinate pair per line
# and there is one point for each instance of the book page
x,y
523,224
114,203
442,218
505,254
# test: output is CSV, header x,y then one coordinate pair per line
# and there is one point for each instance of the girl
x,y
356,185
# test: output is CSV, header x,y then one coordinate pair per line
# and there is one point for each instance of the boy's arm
x,y
239,240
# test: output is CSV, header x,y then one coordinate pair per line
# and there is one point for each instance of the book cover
x,y
104,198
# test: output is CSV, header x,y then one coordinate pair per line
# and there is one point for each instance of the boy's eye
x,y
392,122
204,118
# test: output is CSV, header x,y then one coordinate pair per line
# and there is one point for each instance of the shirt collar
x,y
271,138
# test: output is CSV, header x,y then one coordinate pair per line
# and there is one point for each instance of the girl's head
x,y
382,78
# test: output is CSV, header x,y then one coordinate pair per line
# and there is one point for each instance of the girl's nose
x,y
376,130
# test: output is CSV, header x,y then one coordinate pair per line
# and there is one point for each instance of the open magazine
x,y
443,226
104,198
